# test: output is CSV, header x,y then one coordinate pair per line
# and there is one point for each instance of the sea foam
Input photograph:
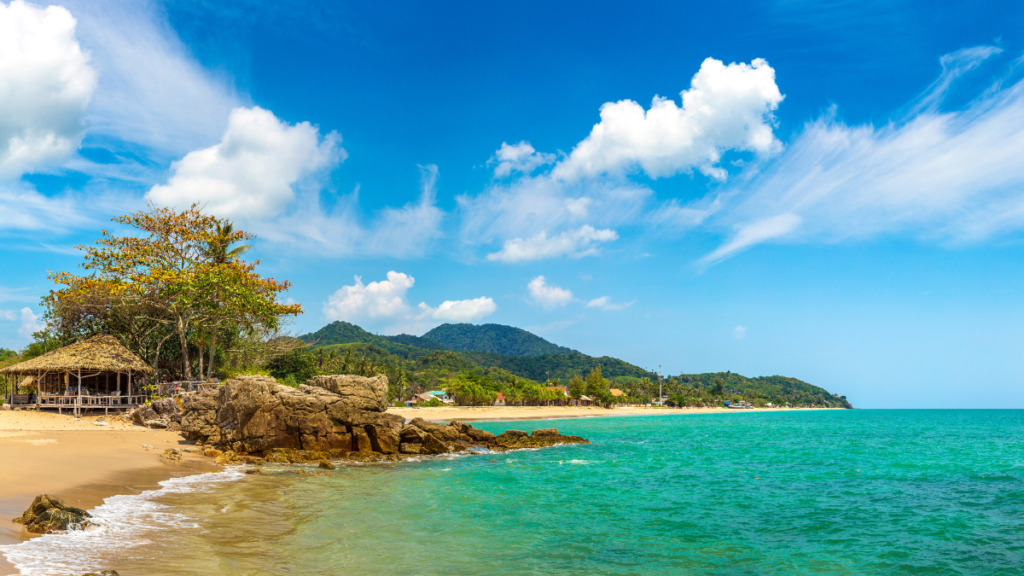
x,y
121,522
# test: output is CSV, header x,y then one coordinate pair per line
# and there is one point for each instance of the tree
x,y
168,277
577,387
596,384
719,386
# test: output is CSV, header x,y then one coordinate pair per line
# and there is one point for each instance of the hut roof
x,y
101,353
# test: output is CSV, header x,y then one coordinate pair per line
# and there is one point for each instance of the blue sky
x,y
827,190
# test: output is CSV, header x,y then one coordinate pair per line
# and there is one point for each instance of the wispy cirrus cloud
x,y
944,176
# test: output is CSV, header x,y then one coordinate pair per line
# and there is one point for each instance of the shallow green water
x,y
837,492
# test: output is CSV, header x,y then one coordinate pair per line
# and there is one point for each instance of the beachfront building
x,y
442,396
500,400
95,373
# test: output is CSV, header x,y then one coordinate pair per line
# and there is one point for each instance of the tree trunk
x,y
209,367
156,359
200,375
185,364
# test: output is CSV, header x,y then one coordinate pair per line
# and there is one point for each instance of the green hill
x,y
465,356
495,338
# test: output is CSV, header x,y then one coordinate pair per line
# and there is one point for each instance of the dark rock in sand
x,y
143,413
103,573
49,514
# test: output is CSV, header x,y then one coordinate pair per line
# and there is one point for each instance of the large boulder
x,y
356,392
49,514
143,413
331,414
165,406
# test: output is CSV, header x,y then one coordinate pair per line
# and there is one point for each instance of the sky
x,y
832,191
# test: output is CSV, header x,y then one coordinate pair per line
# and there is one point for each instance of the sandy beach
x,y
79,462
479,413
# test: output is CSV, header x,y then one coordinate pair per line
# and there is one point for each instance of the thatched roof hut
x,y
101,353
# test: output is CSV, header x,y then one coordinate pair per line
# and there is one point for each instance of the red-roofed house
x,y
500,400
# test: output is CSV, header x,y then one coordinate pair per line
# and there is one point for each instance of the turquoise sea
x,y
861,492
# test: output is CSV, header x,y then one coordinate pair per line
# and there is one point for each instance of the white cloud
x,y
548,296
252,171
385,303
152,90
939,175
573,243
727,107
29,322
754,233
605,303
46,83
739,332
520,158
461,310
374,300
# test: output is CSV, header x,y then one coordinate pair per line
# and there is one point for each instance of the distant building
x,y
441,395
565,395
500,400
616,392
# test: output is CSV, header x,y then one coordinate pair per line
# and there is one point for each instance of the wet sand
x,y
78,462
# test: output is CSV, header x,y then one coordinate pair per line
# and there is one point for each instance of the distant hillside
x,y
337,333
416,341
502,358
494,338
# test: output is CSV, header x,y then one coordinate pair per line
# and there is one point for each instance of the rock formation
x,y
253,415
51,514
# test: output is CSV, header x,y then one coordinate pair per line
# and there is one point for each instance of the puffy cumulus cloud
x,y
461,310
46,83
573,243
727,107
520,158
374,300
546,295
739,332
945,176
385,303
605,303
252,171
28,322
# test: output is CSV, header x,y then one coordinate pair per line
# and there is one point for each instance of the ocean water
x,y
833,492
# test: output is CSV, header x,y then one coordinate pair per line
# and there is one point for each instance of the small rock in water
x,y
103,573
49,514
326,465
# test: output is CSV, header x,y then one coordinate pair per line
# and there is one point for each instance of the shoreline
x,y
79,462
514,413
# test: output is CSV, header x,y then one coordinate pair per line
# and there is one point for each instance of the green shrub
x,y
432,403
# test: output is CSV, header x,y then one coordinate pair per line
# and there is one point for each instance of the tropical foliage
x,y
494,338
175,292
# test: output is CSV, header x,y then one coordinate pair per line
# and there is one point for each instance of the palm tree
x,y
218,251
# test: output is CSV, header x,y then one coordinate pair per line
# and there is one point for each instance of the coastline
x,y
512,413
79,462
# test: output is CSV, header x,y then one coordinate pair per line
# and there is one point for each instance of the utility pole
x,y
661,397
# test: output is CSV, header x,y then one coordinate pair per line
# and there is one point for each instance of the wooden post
x,y
129,387
78,403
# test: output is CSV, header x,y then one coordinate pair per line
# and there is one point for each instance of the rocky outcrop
x,y
343,416
49,514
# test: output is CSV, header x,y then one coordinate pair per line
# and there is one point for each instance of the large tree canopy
x,y
173,280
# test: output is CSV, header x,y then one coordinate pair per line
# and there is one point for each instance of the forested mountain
x,y
494,338
416,364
